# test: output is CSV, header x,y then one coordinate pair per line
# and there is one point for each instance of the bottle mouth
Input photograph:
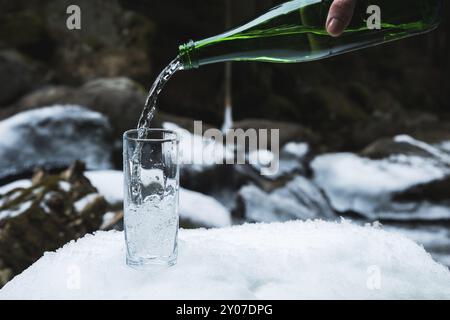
x,y
187,55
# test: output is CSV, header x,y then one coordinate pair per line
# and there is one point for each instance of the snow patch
x,y
298,150
109,184
83,202
14,185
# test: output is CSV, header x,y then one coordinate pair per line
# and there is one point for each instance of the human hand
x,y
339,16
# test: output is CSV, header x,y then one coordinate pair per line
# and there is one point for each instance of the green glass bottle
x,y
295,32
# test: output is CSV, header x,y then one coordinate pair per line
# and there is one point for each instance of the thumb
x,y
339,16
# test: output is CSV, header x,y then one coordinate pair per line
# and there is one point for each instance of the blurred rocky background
x,y
365,136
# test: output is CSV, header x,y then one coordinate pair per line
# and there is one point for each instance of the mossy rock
x,y
45,216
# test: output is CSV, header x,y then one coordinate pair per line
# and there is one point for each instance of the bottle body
x,y
295,32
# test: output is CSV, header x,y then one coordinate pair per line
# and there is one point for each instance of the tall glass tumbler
x,y
151,174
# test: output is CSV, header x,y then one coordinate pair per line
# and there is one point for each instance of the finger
x,y
339,16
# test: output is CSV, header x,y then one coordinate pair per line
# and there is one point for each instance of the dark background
x,y
347,101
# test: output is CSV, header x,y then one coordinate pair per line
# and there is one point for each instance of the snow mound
x,y
196,207
295,260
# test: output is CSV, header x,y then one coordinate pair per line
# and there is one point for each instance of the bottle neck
x,y
188,56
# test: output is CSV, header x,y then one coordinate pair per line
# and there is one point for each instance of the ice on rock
x,y
294,260
366,186
424,146
298,199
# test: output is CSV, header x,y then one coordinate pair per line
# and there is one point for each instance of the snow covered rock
x,y
195,208
368,186
43,215
54,137
298,199
293,159
295,260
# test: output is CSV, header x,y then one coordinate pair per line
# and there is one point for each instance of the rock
x,y
45,96
289,132
54,137
112,41
53,211
209,179
24,27
299,199
437,191
16,76
385,148
121,100
407,146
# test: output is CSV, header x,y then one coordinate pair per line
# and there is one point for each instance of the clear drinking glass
x,y
151,174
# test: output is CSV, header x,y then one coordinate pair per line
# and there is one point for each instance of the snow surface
x,y
195,207
294,260
366,186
